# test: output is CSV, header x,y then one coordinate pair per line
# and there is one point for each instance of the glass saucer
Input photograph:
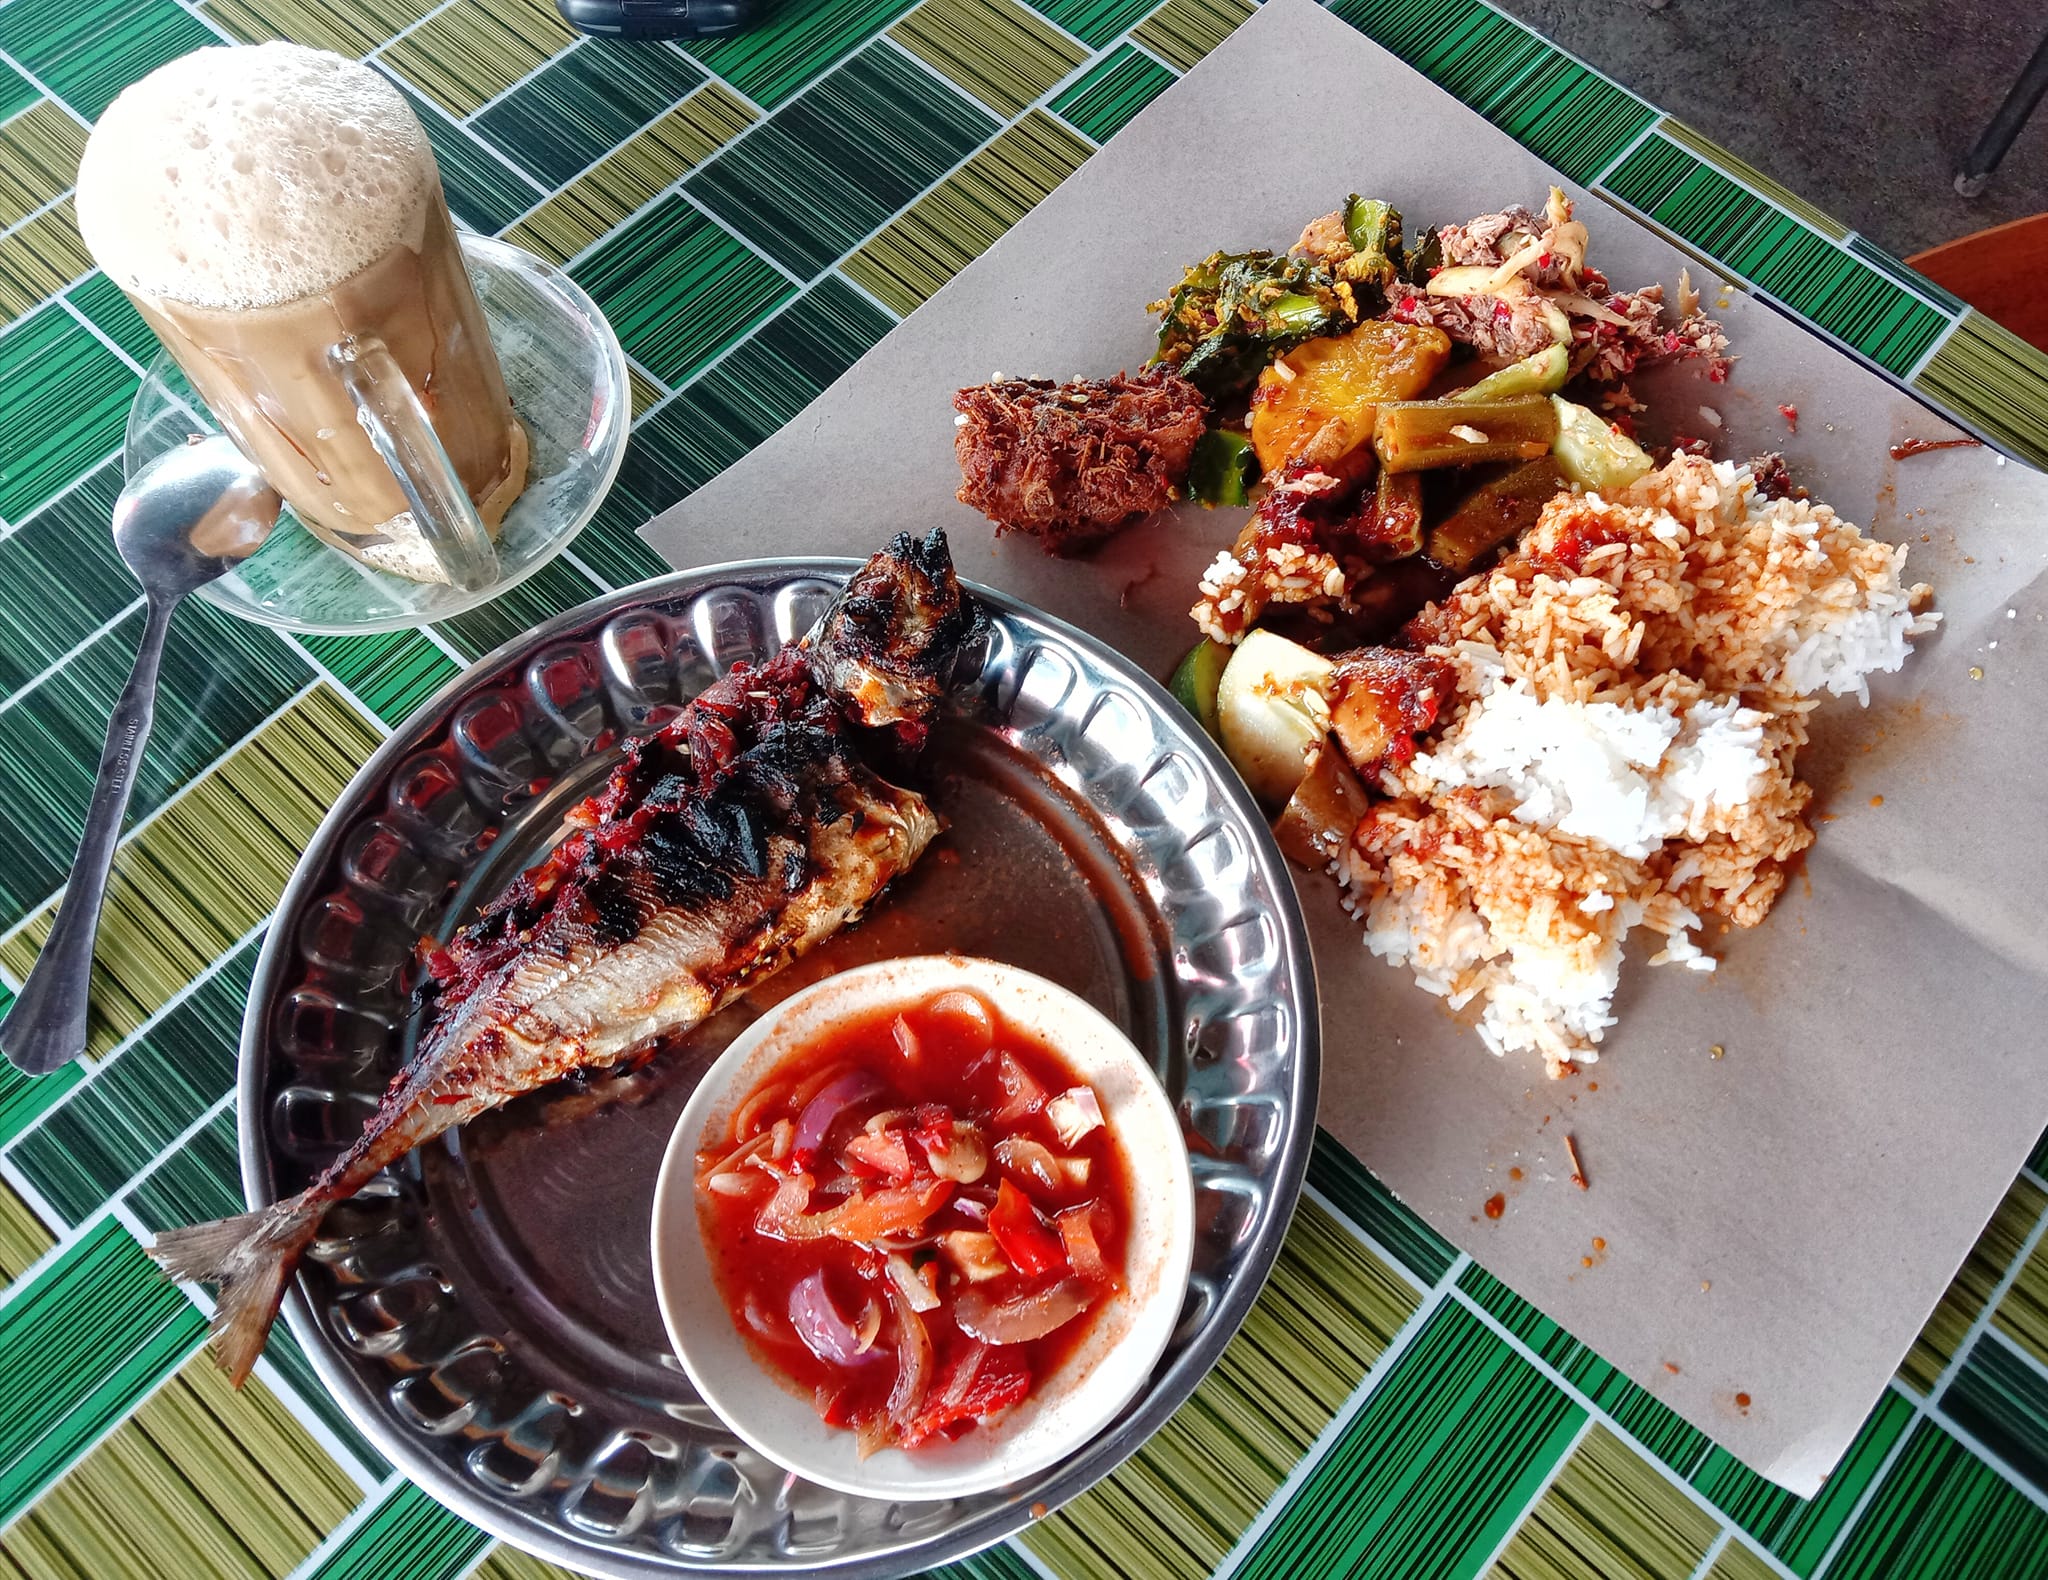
x,y
566,373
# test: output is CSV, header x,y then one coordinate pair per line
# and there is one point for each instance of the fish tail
x,y
249,1258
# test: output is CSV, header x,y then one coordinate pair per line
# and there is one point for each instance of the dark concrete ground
x,y
1863,107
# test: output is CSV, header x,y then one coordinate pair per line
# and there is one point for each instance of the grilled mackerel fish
x,y
748,830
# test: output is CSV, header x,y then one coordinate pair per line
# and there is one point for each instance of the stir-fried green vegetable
x,y
1496,512
1411,435
1196,678
1396,515
1374,230
1424,258
1232,313
1223,468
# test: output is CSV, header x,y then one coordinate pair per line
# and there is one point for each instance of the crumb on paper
x,y
1571,1150
1717,1051
1671,1367
1705,1285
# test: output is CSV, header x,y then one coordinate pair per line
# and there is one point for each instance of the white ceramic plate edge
x,y
1066,1410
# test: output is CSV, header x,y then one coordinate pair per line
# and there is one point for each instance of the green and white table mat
x,y
1389,1409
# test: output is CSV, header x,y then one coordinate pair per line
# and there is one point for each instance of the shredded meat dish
x,y
1071,463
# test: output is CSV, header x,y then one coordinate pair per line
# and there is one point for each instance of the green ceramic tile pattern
x,y
632,174
1972,1286
833,164
800,41
221,678
1096,22
200,1180
484,192
1122,84
103,304
579,108
24,1238
1653,1426
463,56
1607,1516
352,29
137,1105
60,579
1795,263
960,218
1435,1468
678,289
86,51
1577,120
234,1484
754,213
41,449
1003,54
2022,1313
1779,195
78,1347
23,1098
1181,32
38,259
1986,376
17,93
2001,1399
39,152
392,674
1799,1531
1941,1512
1737,1562
1347,1185
1179,1505
561,586
407,1537
209,867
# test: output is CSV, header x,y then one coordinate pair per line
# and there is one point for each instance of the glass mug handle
x,y
390,412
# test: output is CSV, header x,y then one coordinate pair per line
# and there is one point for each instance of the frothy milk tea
x,y
262,204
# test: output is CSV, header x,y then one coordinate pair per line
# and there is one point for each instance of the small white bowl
x,y
1067,1407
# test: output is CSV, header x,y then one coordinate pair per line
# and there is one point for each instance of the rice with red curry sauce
x,y
1633,687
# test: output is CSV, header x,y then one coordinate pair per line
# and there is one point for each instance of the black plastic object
x,y
659,18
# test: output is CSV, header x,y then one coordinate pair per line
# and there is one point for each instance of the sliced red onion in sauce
x,y
1021,1318
825,1333
913,1360
833,1100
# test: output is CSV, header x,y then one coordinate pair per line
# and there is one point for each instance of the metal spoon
x,y
186,518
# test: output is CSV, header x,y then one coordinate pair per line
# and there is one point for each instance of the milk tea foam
x,y
261,204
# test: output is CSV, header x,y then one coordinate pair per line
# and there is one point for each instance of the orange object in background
x,y
1999,272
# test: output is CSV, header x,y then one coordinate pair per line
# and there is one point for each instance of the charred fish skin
x,y
890,642
742,834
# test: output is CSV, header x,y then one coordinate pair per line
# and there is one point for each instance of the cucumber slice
x,y
1594,454
1271,708
1196,678
1540,374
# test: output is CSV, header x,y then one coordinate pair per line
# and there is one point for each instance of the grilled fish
x,y
721,848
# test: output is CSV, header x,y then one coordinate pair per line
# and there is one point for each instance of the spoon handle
x,y
46,1028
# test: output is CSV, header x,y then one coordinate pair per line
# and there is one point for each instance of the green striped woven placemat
x,y
754,214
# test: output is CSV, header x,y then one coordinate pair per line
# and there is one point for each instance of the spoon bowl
x,y
188,517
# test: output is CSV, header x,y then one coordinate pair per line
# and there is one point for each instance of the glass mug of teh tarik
x,y
276,215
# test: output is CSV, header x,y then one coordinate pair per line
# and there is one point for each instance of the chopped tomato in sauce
x,y
915,1218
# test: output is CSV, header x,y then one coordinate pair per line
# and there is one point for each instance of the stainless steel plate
x,y
485,1311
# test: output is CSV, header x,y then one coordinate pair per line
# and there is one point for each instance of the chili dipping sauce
x,y
915,1217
